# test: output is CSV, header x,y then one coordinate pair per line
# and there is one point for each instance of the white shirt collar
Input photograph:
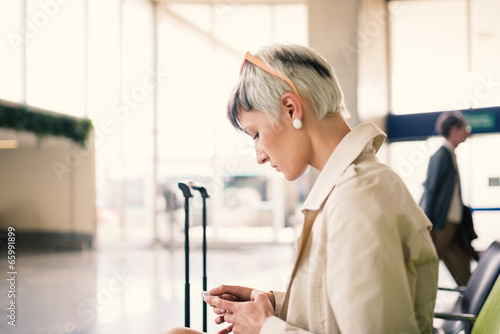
x,y
449,146
364,137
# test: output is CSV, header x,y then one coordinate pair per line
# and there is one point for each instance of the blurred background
x,y
153,77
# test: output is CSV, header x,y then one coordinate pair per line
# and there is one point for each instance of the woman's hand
x,y
244,308
237,293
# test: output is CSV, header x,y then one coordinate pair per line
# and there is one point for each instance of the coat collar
x,y
449,146
365,137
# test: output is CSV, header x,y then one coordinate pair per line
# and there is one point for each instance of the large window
x,y
444,57
55,66
154,79
11,51
42,49
200,50
121,96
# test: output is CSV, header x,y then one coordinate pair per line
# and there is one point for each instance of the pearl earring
x,y
297,123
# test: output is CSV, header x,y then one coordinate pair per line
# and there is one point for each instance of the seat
x,y
472,298
488,320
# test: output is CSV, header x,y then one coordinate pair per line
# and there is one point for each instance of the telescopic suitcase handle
x,y
186,188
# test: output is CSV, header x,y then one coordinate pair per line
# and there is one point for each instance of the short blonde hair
x,y
314,78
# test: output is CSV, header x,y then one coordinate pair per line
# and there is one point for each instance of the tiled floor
x,y
132,288
128,289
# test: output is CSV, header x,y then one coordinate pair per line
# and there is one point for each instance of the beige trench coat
x,y
370,265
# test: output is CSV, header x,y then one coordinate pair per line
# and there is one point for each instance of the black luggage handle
x,y
186,188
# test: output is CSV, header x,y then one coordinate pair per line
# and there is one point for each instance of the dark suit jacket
x,y
436,200
438,187
466,233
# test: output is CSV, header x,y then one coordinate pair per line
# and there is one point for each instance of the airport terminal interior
x,y
107,105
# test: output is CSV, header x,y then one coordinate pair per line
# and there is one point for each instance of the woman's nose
x,y
261,155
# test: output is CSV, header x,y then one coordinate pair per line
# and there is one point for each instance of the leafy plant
x,y
44,124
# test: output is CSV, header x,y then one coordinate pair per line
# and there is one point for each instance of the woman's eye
x,y
256,136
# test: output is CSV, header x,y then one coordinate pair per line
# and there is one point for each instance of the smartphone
x,y
205,294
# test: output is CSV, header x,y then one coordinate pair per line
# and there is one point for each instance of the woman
x,y
366,263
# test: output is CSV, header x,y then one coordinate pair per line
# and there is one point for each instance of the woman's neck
x,y
325,136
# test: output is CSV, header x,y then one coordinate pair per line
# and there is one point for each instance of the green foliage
x,y
43,124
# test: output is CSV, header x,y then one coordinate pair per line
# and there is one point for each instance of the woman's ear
x,y
291,105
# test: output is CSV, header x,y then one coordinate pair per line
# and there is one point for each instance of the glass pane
x,y
286,32
485,35
192,36
121,95
410,160
55,35
429,55
195,74
185,98
478,89
485,53
479,176
487,228
104,65
137,96
200,49
238,28
104,108
11,51
480,168
435,66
